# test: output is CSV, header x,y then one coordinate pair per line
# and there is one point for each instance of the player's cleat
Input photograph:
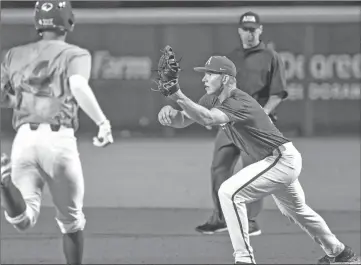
x,y
346,256
209,229
5,168
253,228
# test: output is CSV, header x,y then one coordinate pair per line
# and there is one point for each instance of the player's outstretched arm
x,y
168,86
79,86
199,113
168,116
86,99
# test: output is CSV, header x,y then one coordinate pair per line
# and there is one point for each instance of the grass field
x,y
145,196
167,236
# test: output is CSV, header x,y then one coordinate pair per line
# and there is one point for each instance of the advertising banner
x,y
322,61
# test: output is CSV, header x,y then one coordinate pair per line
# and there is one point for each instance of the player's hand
x,y
166,115
104,136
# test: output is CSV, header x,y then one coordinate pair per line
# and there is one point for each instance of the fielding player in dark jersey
x,y
260,73
249,128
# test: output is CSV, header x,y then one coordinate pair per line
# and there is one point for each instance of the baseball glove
x,y
168,72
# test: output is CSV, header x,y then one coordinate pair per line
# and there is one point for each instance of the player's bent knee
x,y
226,192
223,191
23,221
72,226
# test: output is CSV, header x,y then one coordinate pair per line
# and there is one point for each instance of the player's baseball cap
x,y
249,20
54,15
218,65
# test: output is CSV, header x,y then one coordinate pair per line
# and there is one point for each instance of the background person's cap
x,y
249,20
218,65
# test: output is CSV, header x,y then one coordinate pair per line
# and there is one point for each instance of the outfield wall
x,y
320,47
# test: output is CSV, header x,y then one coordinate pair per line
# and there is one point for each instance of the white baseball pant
x,y
44,156
276,175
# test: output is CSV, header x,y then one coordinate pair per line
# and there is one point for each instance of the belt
x,y
54,127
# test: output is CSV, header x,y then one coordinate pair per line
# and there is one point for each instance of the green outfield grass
x,y
174,172
145,196
167,236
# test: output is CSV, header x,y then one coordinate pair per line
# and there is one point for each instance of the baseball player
x,y
261,74
249,127
45,82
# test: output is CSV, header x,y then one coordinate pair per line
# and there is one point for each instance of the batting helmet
x,y
54,15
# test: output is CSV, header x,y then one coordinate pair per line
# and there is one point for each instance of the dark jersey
x,y
39,71
250,128
260,72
